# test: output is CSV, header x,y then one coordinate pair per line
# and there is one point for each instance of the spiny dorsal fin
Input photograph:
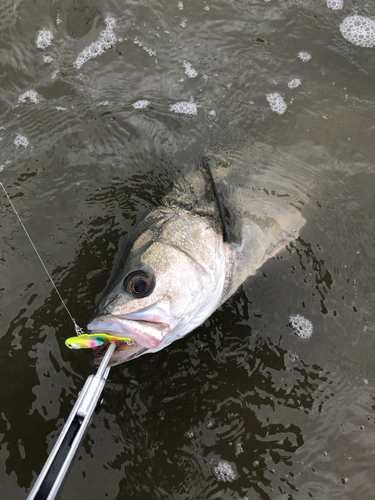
x,y
221,192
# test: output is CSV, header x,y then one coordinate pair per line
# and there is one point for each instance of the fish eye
x,y
139,284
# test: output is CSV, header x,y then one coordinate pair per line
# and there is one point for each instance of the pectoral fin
x,y
259,243
285,231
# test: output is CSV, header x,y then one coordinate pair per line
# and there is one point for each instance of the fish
x,y
93,340
216,226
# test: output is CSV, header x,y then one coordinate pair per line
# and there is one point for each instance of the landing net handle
x,y
60,460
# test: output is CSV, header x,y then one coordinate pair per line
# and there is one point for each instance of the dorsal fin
x,y
221,194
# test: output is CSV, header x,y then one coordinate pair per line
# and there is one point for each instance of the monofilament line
x,y
77,328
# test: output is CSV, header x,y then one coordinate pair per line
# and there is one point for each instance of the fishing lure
x,y
90,341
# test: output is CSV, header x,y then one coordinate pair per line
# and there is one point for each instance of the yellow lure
x,y
90,341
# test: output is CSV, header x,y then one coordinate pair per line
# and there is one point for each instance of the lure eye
x,y
139,284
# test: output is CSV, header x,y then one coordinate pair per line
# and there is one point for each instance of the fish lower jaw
x,y
135,330
124,352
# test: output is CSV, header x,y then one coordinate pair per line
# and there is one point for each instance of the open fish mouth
x,y
125,351
144,335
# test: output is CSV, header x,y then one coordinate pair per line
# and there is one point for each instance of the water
x,y
286,417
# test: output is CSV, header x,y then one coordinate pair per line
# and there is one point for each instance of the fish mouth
x,y
144,335
125,351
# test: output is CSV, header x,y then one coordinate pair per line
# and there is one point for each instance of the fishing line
x,y
77,328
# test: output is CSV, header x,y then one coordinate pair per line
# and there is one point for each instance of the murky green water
x,y
290,418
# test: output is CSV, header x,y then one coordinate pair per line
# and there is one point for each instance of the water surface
x,y
242,407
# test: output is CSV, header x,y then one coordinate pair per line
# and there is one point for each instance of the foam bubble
x,y
21,140
302,326
189,70
294,83
149,51
48,59
358,30
238,449
29,94
180,6
141,104
44,38
304,56
110,22
184,107
58,19
277,103
335,4
183,23
224,472
105,41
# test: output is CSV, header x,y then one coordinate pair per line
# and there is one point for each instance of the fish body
x,y
188,255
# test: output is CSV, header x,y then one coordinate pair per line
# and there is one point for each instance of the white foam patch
x,y
58,19
238,449
149,51
44,39
184,107
304,56
335,4
302,326
47,59
358,30
277,103
21,140
294,83
105,41
180,6
189,70
141,104
29,94
224,472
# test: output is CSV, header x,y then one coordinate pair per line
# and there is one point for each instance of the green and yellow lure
x,y
90,341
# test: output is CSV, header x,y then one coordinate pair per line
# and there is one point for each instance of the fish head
x,y
169,280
